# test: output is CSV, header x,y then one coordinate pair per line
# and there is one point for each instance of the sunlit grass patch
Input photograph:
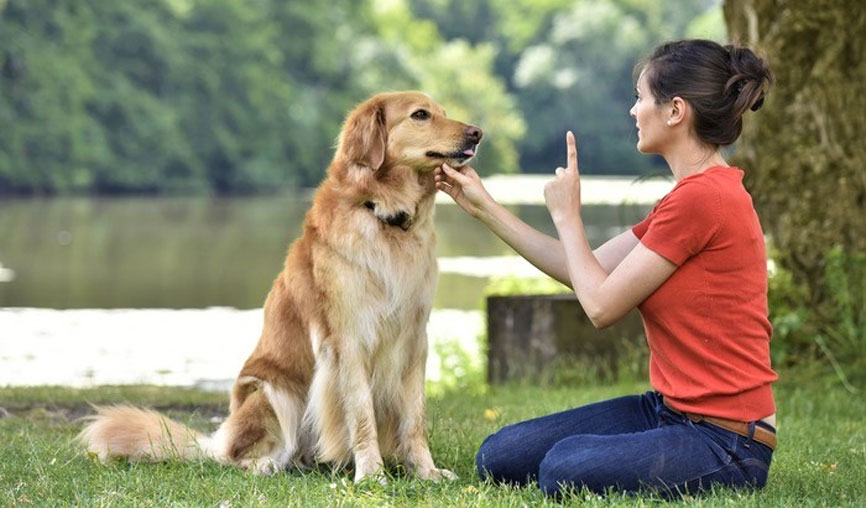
x,y
819,461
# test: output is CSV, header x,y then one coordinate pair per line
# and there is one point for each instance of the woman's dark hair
x,y
719,82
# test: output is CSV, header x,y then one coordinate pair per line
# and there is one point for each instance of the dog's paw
x,y
436,474
264,466
377,476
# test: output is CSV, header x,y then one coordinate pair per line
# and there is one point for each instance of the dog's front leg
x,y
360,420
413,426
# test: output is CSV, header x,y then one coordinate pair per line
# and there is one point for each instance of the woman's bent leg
x,y
514,453
671,459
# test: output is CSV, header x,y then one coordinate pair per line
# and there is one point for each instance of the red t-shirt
x,y
707,325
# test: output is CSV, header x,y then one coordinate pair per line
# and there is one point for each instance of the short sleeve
x,y
641,227
683,223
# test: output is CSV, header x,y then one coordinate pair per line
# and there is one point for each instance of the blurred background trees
x,y
240,96
247,96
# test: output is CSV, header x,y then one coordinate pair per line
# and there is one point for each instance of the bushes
x,y
830,329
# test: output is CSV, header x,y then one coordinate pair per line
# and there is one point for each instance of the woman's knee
x,y
552,475
498,458
482,460
490,461
568,466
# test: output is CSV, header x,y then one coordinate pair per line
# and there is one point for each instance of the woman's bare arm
x,y
544,251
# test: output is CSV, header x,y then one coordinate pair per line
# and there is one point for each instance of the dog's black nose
x,y
473,133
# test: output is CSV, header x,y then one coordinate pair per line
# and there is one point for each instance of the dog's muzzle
x,y
471,138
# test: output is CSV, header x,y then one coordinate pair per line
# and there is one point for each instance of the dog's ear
x,y
364,137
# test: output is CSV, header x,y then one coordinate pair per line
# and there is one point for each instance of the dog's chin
x,y
460,161
459,158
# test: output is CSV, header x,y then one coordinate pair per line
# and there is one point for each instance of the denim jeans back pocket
x,y
749,459
721,441
738,474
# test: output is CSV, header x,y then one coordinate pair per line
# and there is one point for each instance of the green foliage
x,y
570,66
107,97
214,96
503,286
229,96
845,276
788,314
833,330
460,370
709,25
579,77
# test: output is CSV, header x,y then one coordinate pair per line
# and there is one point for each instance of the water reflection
x,y
201,252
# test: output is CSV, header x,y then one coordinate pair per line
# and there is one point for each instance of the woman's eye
x,y
421,114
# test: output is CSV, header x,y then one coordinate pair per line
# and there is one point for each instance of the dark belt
x,y
759,434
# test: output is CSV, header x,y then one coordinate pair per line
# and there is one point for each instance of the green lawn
x,y
821,459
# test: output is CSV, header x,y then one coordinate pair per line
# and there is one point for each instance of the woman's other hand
x,y
562,194
465,188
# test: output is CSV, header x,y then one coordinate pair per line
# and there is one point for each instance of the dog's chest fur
x,y
382,276
395,272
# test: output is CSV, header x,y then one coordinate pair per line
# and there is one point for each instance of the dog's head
x,y
407,129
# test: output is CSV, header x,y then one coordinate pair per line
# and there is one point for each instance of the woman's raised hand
x,y
464,186
562,194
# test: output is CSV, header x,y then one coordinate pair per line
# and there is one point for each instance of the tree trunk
x,y
804,153
531,336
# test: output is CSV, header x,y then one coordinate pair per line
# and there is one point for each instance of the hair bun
x,y
749,79
758,103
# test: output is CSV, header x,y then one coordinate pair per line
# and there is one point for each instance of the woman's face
x,y
652,130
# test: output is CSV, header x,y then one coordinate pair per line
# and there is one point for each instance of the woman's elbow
x,y
601,318
601,311
599,323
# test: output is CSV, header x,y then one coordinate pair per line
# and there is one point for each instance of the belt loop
x,y
751,434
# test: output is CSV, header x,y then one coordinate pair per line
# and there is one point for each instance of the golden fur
x,y
338,373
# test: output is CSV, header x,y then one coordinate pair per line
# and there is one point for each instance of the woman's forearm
x,y
543,251
583,268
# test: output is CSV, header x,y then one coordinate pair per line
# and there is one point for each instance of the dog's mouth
x,y
464,154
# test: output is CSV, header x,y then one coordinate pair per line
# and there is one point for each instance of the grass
x,y
820,461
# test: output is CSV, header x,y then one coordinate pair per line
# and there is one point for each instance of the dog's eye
x,y
421,114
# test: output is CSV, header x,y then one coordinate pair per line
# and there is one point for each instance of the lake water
x,y
150,288
199,252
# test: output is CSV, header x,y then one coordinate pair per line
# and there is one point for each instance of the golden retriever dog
x,y
338,373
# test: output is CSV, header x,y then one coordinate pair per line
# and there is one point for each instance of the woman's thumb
x,y
453,173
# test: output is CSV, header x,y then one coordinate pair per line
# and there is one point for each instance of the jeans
x,y
629,444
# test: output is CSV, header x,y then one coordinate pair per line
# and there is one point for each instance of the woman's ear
x,y
364,137
678,111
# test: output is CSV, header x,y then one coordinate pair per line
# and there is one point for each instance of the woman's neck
x,y
691,158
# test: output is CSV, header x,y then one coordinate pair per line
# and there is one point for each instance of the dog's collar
x,y
401,220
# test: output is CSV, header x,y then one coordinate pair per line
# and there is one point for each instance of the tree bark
x,y
803,152
531,336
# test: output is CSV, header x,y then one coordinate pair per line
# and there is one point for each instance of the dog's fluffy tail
x,y
144,435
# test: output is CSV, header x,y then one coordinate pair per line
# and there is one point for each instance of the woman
x,y
695,267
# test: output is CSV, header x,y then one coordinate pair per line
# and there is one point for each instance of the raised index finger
x,y
572,150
